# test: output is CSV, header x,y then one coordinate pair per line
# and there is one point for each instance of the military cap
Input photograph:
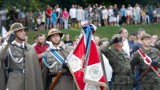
x,y
145,35
116,38
52,32
16,27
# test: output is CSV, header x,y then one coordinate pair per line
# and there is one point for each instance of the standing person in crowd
x,y
138,43
54,18
129,14
80,15
111,15
149,80
29,16
86,14
136,14
158,14
116,15
153,40
40,47
105,15
61,20
43,23
123,14
72,13
48,17
3,17
65,18
155,15
22,16
66,80
124,33
67,40
131,41
21,62
120,62
39,22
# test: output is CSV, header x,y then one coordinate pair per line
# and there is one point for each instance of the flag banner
x,y
94,72
80,57
148,61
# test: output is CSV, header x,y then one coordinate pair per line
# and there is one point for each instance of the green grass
x,y
107,31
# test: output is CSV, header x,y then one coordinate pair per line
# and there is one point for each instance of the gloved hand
x,y
11,38
64,66
154,63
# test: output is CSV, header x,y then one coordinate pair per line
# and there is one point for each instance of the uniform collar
x,y
58,47
19,44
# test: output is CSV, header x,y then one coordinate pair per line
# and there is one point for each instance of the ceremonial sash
x,y
148,61
56,55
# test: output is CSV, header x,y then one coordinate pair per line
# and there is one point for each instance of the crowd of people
x,y
131,60
100,15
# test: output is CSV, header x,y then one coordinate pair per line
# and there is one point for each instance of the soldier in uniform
x,y
119,61
20,62
66,80
149,80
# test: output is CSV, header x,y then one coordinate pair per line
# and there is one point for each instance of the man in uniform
x,y
149,80
119,61
20,62
55,59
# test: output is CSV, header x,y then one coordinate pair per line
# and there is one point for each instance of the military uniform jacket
x,y
120,63
151,76
64,81
31,79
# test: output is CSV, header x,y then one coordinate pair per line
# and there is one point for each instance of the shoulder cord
x,y
6,65
46,63
17,61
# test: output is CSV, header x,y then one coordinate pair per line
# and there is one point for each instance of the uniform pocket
x,y
13,75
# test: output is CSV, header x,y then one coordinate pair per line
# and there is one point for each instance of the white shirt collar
x,y
18,44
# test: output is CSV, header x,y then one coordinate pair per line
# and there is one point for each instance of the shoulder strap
x,y
147,60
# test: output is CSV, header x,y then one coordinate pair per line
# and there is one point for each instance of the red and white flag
x,y
94,72
88,77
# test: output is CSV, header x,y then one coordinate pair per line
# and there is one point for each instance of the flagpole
x,y
104,70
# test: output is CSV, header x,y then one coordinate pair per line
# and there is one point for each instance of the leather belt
x,y
17,70
63,74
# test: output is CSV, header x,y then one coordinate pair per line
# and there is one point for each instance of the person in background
x,y
54,18
153,40
72,13
131,41
65,15
43,23
40,47
96,39
48,17
124,33
67,40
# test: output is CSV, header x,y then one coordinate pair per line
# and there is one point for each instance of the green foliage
x,y
107,31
